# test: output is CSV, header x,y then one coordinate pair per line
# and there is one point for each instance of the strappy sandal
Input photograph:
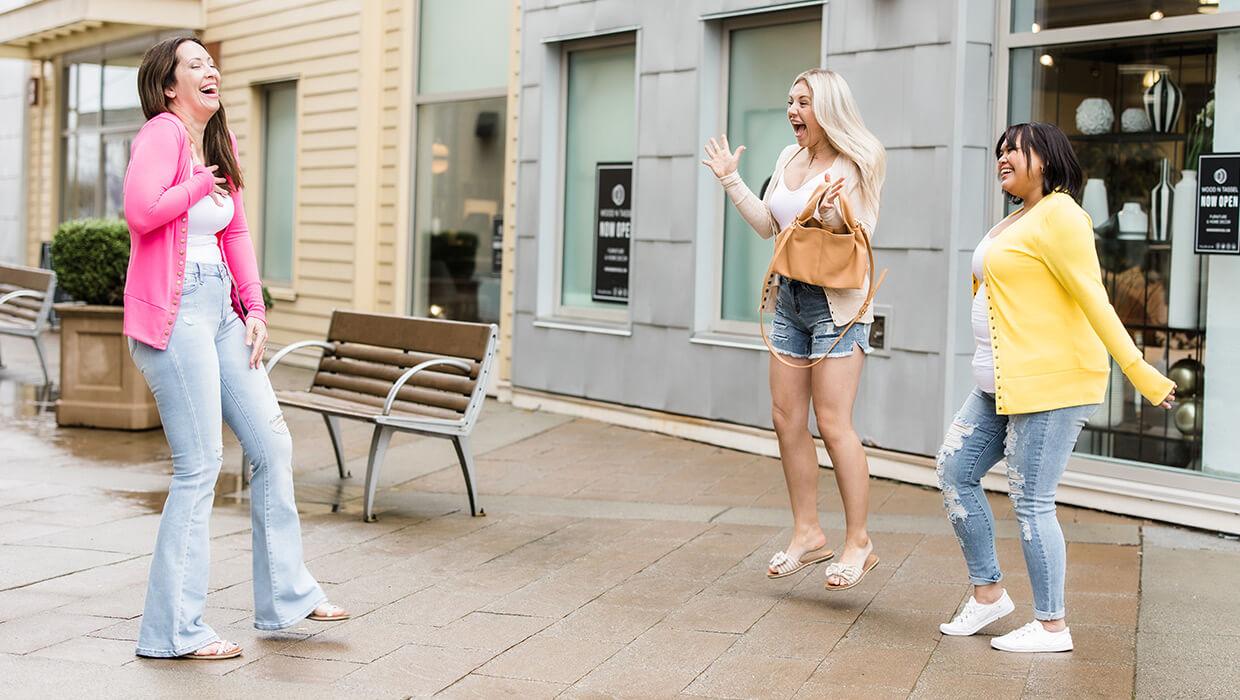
x,y
787,566
850,573
337,613
223,650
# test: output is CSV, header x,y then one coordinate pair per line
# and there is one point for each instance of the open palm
x,y
721,159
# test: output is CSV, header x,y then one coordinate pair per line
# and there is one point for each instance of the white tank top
x,y
205,220
983,352
786,204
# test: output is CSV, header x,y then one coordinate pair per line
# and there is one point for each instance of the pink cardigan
x,y
161,185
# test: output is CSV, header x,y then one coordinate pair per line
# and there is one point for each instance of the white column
x,y
1220,438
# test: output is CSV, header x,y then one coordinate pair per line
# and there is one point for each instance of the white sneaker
x,y
976,615
1033,637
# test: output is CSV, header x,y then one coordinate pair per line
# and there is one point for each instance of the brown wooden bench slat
x,y
380,389
398,358
26,278
427,378
432,336
355,401
20,317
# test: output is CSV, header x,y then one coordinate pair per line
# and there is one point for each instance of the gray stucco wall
x,y
921,73
13,75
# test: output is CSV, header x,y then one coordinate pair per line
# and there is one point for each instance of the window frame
x,y
727,26
620,315
280,288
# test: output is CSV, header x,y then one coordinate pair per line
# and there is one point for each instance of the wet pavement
x,y
611,563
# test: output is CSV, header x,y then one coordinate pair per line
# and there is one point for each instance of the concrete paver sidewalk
x,y
611,563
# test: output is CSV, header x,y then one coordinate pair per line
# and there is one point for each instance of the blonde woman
x,y
833,149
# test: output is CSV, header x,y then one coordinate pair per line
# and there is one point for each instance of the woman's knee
x,y
276,445
789,419
837,432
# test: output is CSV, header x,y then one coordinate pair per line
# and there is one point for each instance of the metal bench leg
x,y
38,348
245,469
333,431
378,446
465,454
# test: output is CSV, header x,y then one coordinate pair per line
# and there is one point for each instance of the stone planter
x,y
100,387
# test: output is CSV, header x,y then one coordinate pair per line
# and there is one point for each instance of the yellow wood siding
x,y
42,170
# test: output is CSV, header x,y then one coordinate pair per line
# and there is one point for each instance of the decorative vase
x,y
1094,201
1161,204
1094,116
1133,222
1182,311
1163,101
1134,120
1111,412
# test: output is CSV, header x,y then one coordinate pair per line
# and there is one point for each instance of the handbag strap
x,y
782,240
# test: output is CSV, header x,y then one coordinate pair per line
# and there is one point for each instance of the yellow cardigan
x,y
1051,323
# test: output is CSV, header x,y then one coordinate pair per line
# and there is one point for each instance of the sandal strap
x,y
782,562
848,572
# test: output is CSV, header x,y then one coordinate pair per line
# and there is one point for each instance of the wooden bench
x,y
26,306
398,373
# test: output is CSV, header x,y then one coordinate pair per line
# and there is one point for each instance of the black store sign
x,y
613,229
1218,204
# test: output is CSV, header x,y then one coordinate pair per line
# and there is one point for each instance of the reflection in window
x,y
459,202
102,113
762,63
600,129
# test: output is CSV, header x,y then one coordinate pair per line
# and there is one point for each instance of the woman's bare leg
x,y
790,394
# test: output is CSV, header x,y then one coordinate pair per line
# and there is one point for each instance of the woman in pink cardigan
x,y
196,324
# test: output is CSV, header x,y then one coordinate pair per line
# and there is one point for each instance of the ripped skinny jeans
x,y
1036,447
203,376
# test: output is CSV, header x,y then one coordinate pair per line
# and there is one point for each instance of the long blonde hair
x,y
837,114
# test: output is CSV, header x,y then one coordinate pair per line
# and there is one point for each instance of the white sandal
x,y
850,573
786,566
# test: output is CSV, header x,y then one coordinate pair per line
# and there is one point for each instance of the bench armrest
x,y
327,348
19,294
391,397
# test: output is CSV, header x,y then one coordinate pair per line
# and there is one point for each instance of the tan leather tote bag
x,y
807,251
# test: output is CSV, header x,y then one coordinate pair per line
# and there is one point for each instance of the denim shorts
x,y
803,326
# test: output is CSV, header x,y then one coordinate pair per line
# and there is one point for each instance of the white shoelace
x,y
1026,630
972,610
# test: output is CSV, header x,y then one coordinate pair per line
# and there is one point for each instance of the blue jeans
x,y
1037,447
803,326
204,375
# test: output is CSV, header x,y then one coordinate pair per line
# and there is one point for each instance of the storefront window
x,y
102,114
1139,113
459,201
601,114
462,79
762,61
1036,15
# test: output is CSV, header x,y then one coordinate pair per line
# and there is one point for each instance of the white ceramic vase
x,y
1094,116
1161,209
1183,287
1133,222
1094,201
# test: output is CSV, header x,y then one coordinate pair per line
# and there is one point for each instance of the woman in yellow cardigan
x,y
1043,327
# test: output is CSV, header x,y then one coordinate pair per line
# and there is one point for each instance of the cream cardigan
x,y
844,303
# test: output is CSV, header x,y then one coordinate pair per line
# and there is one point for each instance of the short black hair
x,y
1061,169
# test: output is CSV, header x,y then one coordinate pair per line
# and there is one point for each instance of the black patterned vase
x,y
1163,100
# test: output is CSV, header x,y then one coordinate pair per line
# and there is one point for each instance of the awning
x,y
33,29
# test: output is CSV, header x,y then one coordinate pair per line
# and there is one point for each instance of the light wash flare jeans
x,y
1037,447
202,376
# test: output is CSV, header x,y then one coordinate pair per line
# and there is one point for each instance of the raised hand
x,y
721,159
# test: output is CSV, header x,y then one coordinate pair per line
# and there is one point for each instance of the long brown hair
x,y
158,73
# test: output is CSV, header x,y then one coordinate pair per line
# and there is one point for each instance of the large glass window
x,y
459,200
1036,15
462,80
279,180
762,62
1139,113
600,130
463,46
101,115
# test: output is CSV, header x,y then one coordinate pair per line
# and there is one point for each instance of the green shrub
x,y
90,257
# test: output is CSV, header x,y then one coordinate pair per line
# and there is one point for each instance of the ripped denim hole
x,y
278,426
953,441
